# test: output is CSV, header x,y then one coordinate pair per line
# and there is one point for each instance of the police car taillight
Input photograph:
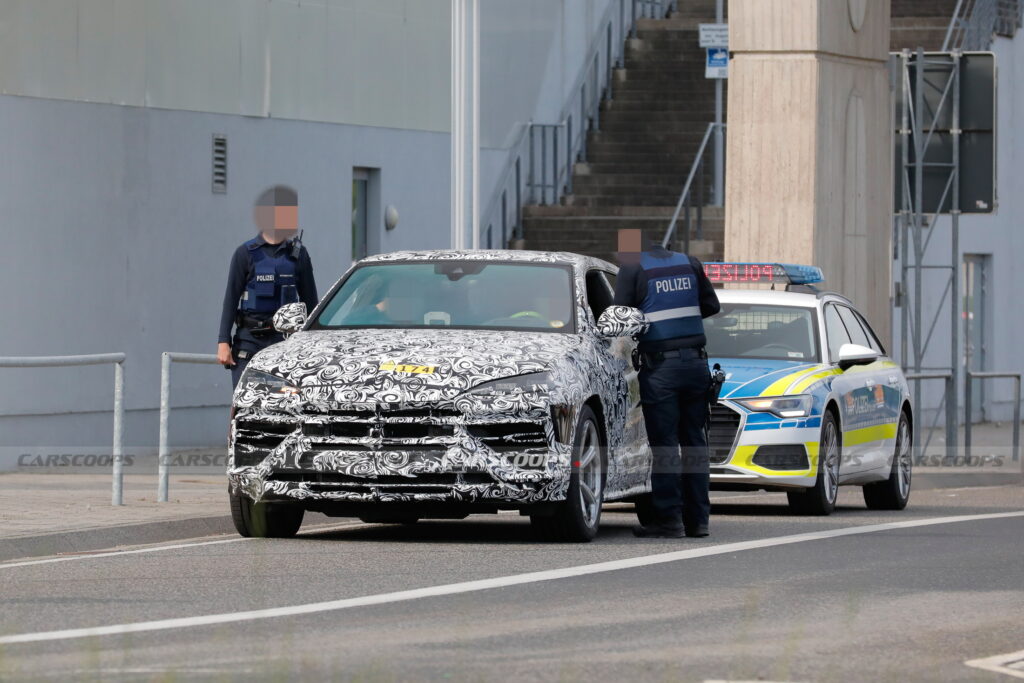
x,y
762,273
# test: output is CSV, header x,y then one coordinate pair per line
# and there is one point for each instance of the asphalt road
x,y
767,597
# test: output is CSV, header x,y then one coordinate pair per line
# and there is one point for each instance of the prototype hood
x,y
405,366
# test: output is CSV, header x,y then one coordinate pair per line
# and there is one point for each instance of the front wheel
x,y
820,499
578,517
264,520
894,492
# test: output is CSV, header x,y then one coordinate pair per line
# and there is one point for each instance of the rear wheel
x,y
264,520
820,499
894,492
578,517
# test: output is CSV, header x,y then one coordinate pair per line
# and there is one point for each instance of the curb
x,y
927,480
107,538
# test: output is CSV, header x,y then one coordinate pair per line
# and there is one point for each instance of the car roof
x,y
578,261
768,296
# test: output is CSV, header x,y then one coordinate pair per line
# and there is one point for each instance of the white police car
x,y
811,400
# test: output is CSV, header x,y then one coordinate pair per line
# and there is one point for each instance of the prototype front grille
x,y
725,422
254,439
782,457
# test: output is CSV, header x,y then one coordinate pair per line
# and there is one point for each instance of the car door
x,y
885,393
632,453
850,388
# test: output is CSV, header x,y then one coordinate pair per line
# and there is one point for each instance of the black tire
x,y
644,508
264,520
577,519
820,499
894,492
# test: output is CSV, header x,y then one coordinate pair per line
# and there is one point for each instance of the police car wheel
x,y
894,492
577,518
264,520
820,499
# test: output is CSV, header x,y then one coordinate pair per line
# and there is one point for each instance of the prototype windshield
x,y
763,331
457,294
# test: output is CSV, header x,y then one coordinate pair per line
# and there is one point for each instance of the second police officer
x,y
675,295
268,271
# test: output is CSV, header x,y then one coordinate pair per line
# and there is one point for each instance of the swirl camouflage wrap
x,y
290,318
438,414
622,321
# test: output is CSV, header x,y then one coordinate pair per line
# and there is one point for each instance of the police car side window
x,y
872,337
836,331
857,333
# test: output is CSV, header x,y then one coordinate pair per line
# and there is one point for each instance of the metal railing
x,y
969,378
540,162
693,197
975,22
948,397
117,453
165,411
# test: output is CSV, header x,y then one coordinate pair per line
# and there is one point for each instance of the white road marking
x,y
483,584
1010,665
158,548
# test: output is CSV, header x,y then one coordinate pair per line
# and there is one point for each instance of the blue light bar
x,y
762,273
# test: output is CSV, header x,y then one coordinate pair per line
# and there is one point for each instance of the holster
x,y
715,388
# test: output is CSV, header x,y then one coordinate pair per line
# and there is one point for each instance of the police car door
x,y
849,387
880,396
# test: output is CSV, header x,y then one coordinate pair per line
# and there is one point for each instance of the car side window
x,y
872,337
599,293
836,332
853,326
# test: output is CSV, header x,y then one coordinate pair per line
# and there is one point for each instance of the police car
x,y
811,401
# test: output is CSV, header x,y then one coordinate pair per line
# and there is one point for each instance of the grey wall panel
x,y
121,245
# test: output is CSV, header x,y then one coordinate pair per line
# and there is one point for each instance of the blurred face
x,y
277,223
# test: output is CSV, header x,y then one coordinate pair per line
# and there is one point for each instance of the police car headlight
x,y
534,382
782,406
266,382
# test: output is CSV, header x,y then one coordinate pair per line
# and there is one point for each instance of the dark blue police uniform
x,y
262,278
675,295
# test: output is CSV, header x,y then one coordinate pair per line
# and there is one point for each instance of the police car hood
x,y
422,365
745,377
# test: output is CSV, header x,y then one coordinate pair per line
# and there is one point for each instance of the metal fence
x,y
540,162
117,359
949,396
969,385
163,450
976,22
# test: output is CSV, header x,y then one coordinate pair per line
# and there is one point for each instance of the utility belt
x,y
257,327
649,358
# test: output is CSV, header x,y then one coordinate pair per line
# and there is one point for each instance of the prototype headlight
x,y
533,382
267,383
782,406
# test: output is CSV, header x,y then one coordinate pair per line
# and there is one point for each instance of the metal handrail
x,y
684,196
970,375
951,435
165,411
975,22
549,164
117,452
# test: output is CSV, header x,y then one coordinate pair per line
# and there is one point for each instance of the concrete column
x,y
809,153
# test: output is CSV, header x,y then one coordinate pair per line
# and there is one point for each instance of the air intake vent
x,y
220,164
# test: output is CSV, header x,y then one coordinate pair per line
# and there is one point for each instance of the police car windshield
x,y
763,331
456,294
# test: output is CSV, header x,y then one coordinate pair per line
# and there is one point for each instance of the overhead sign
x,y
714,35
717,64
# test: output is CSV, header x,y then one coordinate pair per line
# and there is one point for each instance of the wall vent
x,y
220,164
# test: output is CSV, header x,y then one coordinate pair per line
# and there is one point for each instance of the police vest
x,y
672,302
272,282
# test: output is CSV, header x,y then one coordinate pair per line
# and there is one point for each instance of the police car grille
x,y
782,457
724,424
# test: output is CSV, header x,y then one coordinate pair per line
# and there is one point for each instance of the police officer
x,y
268,271
675,295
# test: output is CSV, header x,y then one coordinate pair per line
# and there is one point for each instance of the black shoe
x,y
658,531
699,531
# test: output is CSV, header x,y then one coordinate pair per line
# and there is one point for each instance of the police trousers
x,y
673,394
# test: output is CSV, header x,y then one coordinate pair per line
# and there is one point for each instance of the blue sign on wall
x,y
717,63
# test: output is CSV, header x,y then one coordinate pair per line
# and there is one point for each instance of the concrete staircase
x,y
638,160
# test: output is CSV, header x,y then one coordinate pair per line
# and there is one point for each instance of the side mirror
x,y
622,321
855,354
290,318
